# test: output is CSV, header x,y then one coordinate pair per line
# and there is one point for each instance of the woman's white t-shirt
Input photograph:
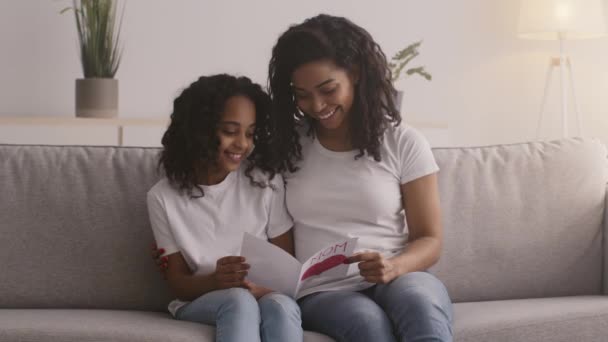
x,y
211,227
333,196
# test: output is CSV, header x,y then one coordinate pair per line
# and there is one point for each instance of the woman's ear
x,y
301,112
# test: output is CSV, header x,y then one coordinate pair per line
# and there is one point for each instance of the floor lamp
x,y
561,20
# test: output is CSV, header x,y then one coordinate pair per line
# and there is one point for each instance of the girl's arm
x,y
188,287
420,199
230,272
284,241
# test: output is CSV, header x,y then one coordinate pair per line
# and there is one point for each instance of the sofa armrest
x,y
605,244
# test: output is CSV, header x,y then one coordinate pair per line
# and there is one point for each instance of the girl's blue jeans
x,y
414,307
238,316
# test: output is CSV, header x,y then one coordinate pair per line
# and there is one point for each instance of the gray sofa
x,y
524,256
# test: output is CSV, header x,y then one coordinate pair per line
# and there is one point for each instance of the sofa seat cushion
x,y
49,325
578,318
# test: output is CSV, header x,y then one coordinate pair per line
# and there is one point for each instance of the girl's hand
x,y
161,262
374,267
230,271
257,291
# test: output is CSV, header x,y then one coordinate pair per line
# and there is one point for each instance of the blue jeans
x,y
237,316
414,307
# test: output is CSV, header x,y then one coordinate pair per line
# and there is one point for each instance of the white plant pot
x,y
97,98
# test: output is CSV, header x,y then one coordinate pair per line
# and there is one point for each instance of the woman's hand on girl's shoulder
x,y
161,261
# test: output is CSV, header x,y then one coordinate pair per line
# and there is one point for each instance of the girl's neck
x,y
210,175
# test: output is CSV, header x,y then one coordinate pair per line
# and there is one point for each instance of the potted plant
x,y
398,66
100,54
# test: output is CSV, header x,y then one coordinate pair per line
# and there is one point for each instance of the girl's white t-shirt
x,y
211,227
334,196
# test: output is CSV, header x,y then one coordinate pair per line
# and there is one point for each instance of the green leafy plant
x,y
98,36
398,63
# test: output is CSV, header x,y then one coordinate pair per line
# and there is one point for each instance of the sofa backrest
x,y
74,228
522,220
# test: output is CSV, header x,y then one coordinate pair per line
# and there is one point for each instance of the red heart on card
x,y
324,265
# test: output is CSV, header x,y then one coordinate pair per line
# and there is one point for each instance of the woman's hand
x,y
257,291
374,267
161,261
230,271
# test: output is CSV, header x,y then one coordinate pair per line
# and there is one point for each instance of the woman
x,y
353,170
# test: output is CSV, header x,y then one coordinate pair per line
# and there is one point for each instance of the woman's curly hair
x,y
191,141
349,47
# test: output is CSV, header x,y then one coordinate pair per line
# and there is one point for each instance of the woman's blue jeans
x,y
414,307
238,317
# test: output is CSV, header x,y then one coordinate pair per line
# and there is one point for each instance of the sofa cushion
x,y
566,319
105,325
522,220
75,230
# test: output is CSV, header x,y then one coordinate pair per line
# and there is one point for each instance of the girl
x,y
352,169
200,211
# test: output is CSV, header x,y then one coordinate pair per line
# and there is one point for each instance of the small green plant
x,y
98,36
400,60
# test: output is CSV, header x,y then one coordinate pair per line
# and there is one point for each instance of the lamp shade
x,y
565,19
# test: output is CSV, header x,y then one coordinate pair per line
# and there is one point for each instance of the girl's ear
x,y
251,150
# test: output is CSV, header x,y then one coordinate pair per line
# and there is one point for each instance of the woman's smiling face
x,y
325,92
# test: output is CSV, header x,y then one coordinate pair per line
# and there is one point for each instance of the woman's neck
x,y
338,140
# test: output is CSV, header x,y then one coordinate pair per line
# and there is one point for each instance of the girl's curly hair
x,y
349,47
191,141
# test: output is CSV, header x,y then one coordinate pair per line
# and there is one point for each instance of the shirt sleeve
x,y
416,156
160,224
279,220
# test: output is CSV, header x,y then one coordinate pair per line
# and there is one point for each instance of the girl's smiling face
x,y
235,132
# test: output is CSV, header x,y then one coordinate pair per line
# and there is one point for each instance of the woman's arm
x,y
230,272
421,204
420,200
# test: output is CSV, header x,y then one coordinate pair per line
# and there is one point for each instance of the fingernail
x,y
165,259
162,251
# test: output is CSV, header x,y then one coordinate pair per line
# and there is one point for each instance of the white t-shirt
x,y
333,196
211,227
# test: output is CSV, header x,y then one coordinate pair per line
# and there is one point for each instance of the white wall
x,y
486,86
